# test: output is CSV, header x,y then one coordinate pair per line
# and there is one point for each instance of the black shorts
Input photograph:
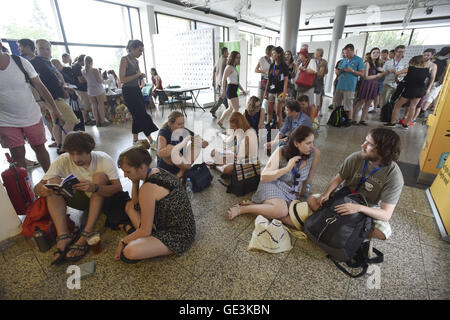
x,y
232,90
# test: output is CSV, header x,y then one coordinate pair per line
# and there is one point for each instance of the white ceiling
x,y
268,12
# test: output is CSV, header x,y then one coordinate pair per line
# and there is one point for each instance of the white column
x,y
290,20
338,28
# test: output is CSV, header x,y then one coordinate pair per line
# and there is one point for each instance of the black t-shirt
x,y
68,75
277,73
48,75
76,70
173,139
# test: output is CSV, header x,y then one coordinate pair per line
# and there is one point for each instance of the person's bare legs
x,y
18,156
57,208
233,107
356,109
133,214
377,234
95,207
366,110
271,209
412,110
42,156
270,107
145,248
397,107
279,112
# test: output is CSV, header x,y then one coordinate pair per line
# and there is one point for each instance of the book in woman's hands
x,y
65,188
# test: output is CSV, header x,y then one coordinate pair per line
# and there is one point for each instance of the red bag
x,y
306,79
38,216
18,186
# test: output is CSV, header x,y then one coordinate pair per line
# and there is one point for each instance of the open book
x,y
65,188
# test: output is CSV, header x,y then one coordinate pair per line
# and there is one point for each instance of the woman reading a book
x,y
159,210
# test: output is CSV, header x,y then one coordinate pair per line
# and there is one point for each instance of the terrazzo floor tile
x,y
429,233
439,294
307,277
242,275
437,270
405,232
15,247
422,206
402,276
18,273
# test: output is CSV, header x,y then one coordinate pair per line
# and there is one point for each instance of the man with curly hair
x,y
373,172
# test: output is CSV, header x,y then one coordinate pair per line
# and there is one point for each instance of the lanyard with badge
x,y
364,177
148,172
274,74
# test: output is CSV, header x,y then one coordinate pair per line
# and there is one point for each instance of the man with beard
x,y
374,173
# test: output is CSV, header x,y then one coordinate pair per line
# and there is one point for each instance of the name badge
x,y
368,186
272,87
282,77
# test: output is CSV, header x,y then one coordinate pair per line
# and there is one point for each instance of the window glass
x,y
171,25
94,22
103,58
16,17
387,39
430,36
321,37
134,13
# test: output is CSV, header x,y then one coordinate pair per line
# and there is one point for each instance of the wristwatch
x,y
123,241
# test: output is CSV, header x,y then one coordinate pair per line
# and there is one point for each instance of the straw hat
x,y
299,211
269,236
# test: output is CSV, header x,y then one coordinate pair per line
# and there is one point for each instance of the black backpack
x,y
200,177
342,237
337,117
386,112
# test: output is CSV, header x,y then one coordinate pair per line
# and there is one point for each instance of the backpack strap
x,y
365,266
18,62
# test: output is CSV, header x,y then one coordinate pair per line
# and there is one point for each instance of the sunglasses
x,y
296,177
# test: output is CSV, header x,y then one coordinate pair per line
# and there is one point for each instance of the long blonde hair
x,y
173,116
88,63
251,105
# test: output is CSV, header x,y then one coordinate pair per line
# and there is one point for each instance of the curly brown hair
x,y
387,143
79,142
298,135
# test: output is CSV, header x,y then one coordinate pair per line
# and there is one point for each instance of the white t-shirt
x,y
264,65
18,108
100,162
392,64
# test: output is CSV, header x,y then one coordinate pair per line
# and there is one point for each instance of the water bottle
x,y
41,240
189,190
307,190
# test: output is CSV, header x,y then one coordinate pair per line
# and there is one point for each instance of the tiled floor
x,y
219,266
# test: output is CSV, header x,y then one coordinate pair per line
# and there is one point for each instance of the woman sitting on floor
x,y
172,138
246,148
161,202
284,178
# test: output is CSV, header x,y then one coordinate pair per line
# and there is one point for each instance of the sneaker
x,y
347,123
404,127
402,122
213,114
363,123
389,124
411,124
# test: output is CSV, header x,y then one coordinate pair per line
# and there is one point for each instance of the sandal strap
x,y
64,236
79,247
86,234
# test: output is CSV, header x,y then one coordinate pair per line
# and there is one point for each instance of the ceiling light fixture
x,y
306,21
331,20
429,10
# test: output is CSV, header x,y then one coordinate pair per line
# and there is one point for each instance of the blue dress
x,y
283,187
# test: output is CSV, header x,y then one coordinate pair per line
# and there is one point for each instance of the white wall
x,y
10,224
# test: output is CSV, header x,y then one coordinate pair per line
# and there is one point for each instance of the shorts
x,y
273,97
434,93
232,90
345,98
85,104
307,92
13,137
66,112
384,227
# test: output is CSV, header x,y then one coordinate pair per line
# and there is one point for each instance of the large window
x,y
33,19
256,49
95,28
430,36
170,25
387,39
